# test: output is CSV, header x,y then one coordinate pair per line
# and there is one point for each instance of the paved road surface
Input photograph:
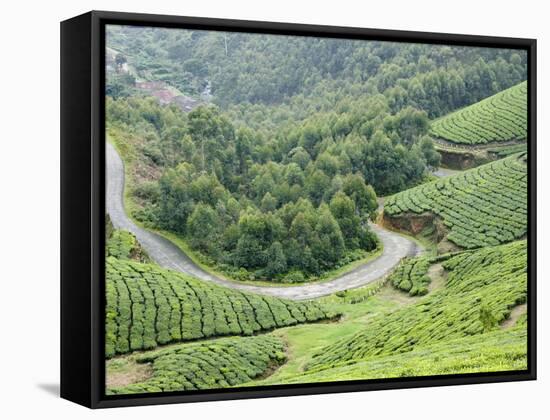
x,y
444,172
168,255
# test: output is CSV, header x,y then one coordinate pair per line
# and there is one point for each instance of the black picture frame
x,y
83,207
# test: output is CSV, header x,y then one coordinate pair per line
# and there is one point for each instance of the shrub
x,y
294,277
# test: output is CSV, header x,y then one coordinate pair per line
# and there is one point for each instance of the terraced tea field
x,y
501,117
124,245
411,276
484,206
148,306
500,350
481,289
206,365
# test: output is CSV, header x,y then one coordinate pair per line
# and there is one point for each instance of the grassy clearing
x,y
303,340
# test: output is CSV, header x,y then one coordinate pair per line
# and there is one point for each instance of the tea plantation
x,y
484,206
411,276
148,306
210,364
481,289
124,245
501,117
499,350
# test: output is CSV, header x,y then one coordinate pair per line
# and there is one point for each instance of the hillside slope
x,y
484,206
481,289
213,364
498,118
148,306
497,351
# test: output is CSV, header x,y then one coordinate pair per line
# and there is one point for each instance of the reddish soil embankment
x,y
426,225
461,159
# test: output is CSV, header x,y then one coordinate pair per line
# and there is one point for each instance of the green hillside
x,y
480,291
481,207
411,276
501,117
148,306
492,352
206,365
123,245
292,166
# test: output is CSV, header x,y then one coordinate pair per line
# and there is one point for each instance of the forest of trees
x,y
278,176
265,69
290,213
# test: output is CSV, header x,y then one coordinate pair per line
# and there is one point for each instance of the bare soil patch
x,y
131,374
516,312
438,275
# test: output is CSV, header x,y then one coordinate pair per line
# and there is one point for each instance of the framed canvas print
x,y
255,209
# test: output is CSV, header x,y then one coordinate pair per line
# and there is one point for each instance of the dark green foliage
x,y
276,260
481,207
481,289
202,228
120,86
265,69
148,306
343,209
214,364
329,247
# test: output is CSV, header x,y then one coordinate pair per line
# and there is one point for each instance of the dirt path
x,y
516,312
168,255
437,273
469,147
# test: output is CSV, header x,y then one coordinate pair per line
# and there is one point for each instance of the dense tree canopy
x,y
268,212
275,175
265,69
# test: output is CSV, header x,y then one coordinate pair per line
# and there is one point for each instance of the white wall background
x,y
29,207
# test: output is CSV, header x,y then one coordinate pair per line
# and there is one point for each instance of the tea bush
x,y
501,117
148,306
482,207
211,364
491,281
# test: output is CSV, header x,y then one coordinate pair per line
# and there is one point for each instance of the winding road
x,y
168,255
445,172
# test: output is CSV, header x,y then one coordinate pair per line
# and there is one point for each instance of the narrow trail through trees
x,y
168,255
